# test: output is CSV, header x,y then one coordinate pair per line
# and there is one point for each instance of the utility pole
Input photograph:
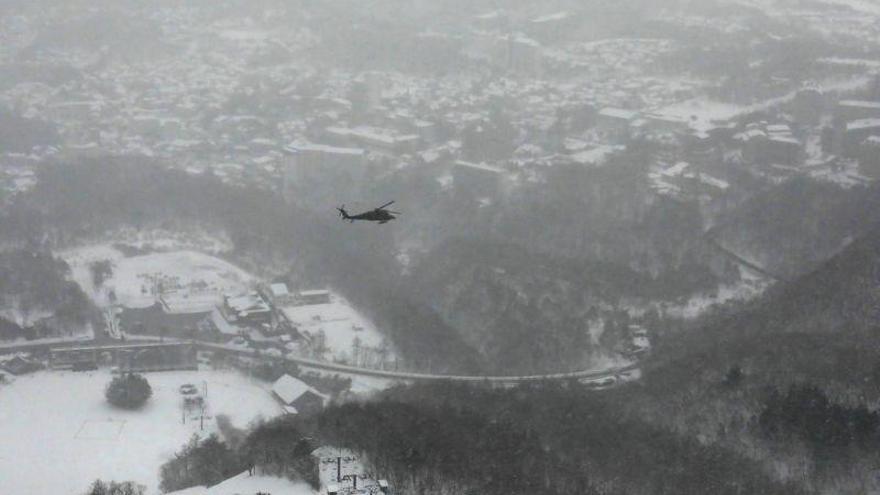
x,y
354,480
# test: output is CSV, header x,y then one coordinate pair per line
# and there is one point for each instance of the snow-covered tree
x,y
129,391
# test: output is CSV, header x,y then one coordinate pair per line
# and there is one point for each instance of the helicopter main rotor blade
x,y
386,204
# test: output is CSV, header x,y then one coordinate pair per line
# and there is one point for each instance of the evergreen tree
x,y
128,391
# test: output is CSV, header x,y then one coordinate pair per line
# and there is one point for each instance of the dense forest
x,y
792,228
38,298
809,346
540,439
544,438
499,295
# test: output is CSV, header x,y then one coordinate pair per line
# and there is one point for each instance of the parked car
x,y
188,389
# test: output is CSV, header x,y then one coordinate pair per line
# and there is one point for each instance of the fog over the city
x,y
339,247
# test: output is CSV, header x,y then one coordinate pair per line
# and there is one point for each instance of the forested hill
x,y
790,380
824,324
794,227
38,300
841,297
530,312
543,439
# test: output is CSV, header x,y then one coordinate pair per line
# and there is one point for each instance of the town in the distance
x,y
606,212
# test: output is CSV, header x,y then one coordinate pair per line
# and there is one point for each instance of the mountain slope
x,y
792,228
530,312
818,333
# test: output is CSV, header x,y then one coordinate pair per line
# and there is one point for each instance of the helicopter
x,y
379,214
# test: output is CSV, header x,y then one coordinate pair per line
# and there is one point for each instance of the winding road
x,y
428,377
336,367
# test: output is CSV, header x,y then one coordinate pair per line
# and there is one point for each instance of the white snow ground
x,y
201,277
341,326
59,434
244,484
193,239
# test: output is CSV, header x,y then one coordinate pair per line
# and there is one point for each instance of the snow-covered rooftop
x,y
618,113
288,389
323,148
314,293
594,156
862,124
874,105
479,166
557,16
251,302
714,181
245,483
677,169
279,289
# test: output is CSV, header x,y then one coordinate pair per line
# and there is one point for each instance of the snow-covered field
x,y
136,281
245,484
187,281
59,434
192,239
348,336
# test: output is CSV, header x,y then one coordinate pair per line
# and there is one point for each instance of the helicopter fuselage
x,y
376,215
